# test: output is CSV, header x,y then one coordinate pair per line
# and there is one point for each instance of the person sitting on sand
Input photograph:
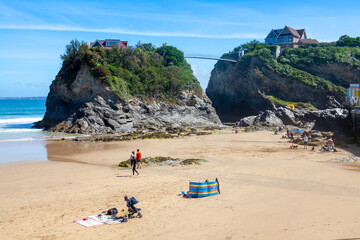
x,y
133,163
138,159
330,143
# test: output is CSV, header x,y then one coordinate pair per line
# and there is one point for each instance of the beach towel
x,y
204,189
89,223
296,132
114,220
98,218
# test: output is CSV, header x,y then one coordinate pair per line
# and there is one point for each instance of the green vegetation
x,y
255,45
346,41
314,54
164,160
193,162
142,71
280,102
287,71
287,65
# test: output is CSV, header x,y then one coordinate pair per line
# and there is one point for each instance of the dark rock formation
x,y
88,105
239,90
257,88
337,120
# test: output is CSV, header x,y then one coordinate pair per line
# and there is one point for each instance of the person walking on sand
x,y
133,163
305,141
138,159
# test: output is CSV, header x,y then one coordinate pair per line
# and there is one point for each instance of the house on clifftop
x,y
109,43
288,37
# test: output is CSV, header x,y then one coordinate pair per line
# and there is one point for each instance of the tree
x,y
72,49
251,46
72,59
346,41
171,55
148,47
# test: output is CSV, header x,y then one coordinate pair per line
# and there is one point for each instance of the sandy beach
x,y
268,191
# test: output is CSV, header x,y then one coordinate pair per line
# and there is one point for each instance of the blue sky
x,y
33,34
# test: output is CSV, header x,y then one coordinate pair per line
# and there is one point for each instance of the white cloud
x,y
129,32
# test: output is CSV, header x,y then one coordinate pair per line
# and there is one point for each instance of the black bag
x,y
112,211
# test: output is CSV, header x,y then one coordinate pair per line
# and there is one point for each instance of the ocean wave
x,y
20,120
19,130
20,140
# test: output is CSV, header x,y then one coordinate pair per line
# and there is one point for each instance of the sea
x,y
17,118
19,141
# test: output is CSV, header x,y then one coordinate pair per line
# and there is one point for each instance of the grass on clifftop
x,y
142,71
280,102
321,54
286,65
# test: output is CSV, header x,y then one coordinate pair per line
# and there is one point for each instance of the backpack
x,y
112,211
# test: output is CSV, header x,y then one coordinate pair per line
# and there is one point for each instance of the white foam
x,y
20,120
19,140
18,130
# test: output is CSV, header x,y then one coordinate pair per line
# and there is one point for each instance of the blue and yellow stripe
x,y
204,189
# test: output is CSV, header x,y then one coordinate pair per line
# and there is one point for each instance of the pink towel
x,y
89,223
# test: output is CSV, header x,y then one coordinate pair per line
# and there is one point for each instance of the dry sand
x,y
268,191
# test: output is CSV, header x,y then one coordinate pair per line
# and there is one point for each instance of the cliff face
x,y
338,73
88,105
258,88
240,89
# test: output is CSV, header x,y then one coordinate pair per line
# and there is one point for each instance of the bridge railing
x,y
211,58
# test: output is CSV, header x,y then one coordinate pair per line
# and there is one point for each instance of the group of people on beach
x,y
329,146
135,161
278,129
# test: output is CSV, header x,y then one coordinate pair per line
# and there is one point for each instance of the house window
x,y
270,40
112,43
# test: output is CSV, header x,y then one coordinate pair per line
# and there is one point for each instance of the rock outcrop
x,y
239,90
337,119
88,105
257,90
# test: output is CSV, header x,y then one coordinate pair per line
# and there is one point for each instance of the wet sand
x,y
268,191
15,151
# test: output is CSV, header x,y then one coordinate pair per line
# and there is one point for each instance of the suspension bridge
x,y
238,55
210,58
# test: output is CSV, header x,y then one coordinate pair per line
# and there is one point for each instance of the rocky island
x,y
259,87
117,90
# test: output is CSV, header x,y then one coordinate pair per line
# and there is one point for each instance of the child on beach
x,y
330,143
305,141
133,163
138,159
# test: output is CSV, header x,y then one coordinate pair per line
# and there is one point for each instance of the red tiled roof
x,y
293,31
300,31
122,44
